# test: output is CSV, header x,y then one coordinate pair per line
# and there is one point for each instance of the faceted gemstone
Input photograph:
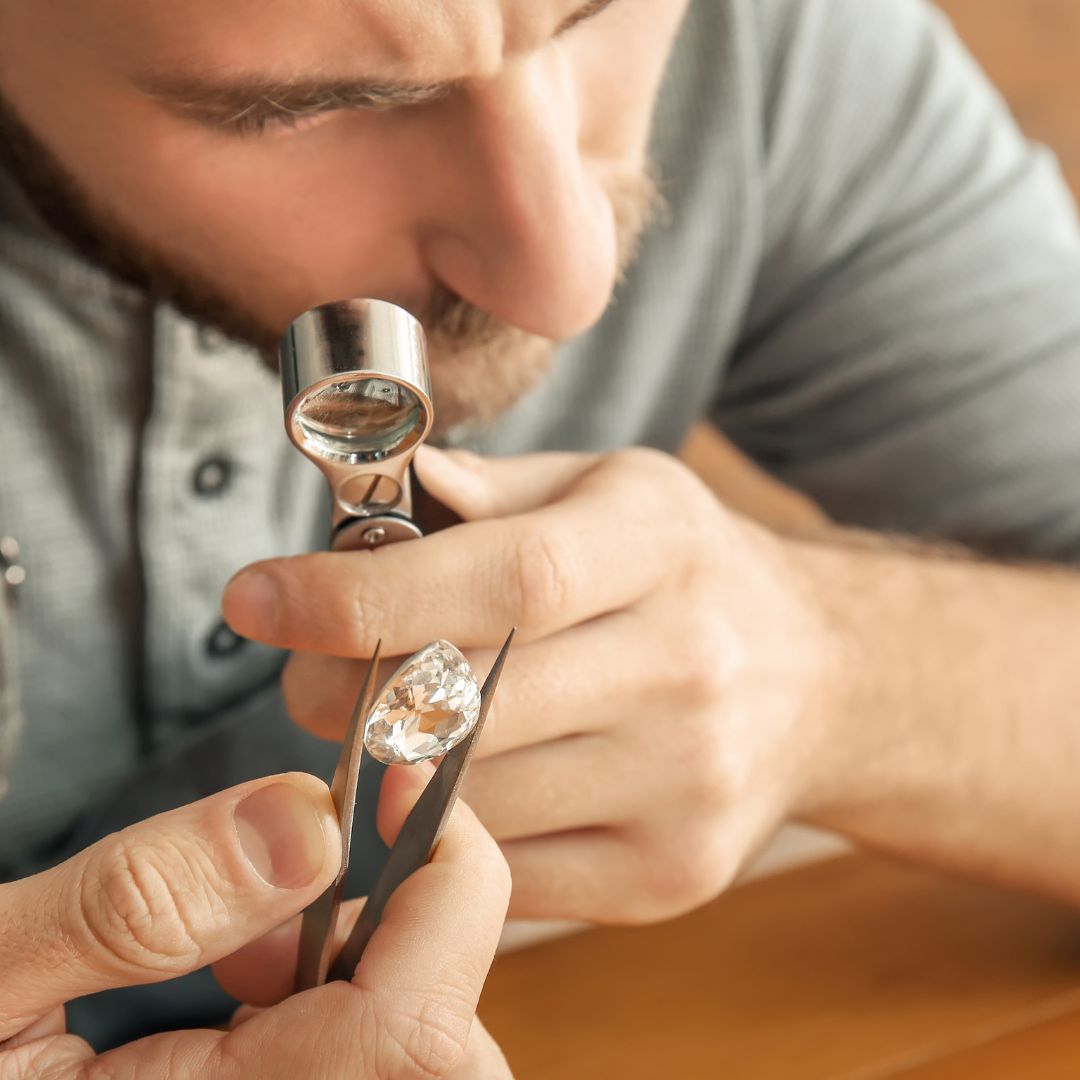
x,y
429,705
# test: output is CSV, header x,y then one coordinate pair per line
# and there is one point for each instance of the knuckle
x,y
641,478
675,879
641,459
148,909
352,614
657,477
705,669
57,1057
424,1038
712,768
98,1068
657,482
366,618
716,777
230,1058
701,780
540,583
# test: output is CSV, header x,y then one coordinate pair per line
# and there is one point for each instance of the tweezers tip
x,y
367,690
496,669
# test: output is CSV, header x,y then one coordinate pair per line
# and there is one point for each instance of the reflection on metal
x,y
357,401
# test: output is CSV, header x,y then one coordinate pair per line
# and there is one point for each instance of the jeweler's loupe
x,y
357,396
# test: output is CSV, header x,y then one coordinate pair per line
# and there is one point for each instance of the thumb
x,y
262,973
166,896
478,488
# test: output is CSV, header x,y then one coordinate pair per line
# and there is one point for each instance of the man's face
x,y
264,156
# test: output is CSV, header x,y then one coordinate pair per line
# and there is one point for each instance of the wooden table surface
x,y
852,968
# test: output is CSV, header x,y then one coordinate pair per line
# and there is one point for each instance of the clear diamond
x,y
429,705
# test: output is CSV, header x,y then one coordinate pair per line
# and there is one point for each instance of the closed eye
x,y
255,106
585,14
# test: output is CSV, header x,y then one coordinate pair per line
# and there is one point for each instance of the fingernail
x,y
281,834
251,604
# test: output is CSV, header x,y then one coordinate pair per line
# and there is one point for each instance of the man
x,y
862,274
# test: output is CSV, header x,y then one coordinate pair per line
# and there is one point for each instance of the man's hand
x,y
191,887
662,710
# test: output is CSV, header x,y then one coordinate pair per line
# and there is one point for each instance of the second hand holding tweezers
x,y
413,848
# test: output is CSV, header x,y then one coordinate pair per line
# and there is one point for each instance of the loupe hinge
x,y
359,534
368,492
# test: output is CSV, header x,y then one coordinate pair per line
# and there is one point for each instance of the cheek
x,y
278,224
307,216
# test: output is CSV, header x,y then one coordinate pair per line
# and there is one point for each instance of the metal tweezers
x,y
412,849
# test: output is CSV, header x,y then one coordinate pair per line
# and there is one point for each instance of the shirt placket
x,y
11,577
216,468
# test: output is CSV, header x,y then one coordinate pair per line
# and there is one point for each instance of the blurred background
x,y
1031,48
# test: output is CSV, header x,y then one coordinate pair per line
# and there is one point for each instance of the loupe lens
x,y
361,420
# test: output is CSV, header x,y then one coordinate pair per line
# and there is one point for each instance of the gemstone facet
x,y
426,708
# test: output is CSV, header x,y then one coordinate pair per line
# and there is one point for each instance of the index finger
x,y
592,551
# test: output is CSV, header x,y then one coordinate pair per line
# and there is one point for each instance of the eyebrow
x,y
245,101
242,102
589,11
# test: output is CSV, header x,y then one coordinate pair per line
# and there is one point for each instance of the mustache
x,y
636,203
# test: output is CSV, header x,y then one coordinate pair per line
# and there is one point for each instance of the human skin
x,y
494,191
684,681
229,873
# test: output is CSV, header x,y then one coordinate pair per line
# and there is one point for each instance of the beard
x,y
480,366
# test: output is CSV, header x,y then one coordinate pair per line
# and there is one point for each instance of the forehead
x,y
432,40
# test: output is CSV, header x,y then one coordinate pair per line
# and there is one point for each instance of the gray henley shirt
x,y
868,280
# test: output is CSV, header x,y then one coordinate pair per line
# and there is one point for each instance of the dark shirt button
x,y
224,642
12,574
212,476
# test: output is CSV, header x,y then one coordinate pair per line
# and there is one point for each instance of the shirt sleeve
x,y
911,358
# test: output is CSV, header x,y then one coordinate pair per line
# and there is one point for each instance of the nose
x,y
524,229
